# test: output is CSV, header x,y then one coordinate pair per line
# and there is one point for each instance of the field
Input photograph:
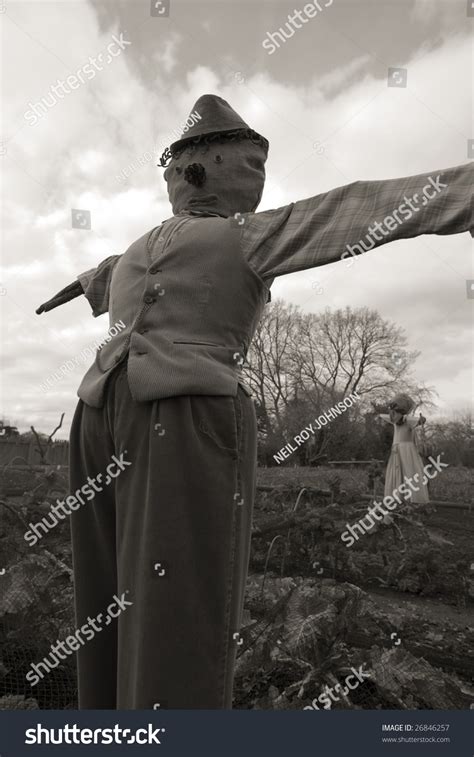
x,y
398,602
454,484
397,605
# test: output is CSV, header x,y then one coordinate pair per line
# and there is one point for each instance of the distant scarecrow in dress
x,y
405,463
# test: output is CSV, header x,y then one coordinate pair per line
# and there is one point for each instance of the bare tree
x,y
268,368
346,351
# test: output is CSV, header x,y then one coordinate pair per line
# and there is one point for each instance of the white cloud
x,y
166,57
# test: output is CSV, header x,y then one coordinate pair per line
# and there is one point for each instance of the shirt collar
x,y
204,213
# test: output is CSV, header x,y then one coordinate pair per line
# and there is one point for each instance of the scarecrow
x,y
170,535
405,461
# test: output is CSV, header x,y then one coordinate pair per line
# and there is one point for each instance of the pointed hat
x,y
211,115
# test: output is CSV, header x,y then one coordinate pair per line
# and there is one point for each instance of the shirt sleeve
x,y
96,284
356,218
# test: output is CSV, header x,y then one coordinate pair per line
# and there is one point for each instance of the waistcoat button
x,y
149,299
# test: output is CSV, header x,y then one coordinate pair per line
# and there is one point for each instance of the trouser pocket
x,y
220,420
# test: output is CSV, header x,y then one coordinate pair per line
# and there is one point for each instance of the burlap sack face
x,y
234,178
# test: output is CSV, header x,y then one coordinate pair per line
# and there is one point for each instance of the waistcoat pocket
x,y
203,344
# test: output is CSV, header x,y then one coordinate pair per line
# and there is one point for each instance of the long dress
x,y
405,462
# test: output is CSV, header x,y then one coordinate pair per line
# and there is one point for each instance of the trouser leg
x,y
183,534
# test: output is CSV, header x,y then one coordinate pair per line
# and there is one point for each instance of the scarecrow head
x,y
402,403
218,164
400,406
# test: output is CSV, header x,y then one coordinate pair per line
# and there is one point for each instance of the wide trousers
x,y
168,531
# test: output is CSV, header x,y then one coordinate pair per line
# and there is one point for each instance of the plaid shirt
x,y
335,225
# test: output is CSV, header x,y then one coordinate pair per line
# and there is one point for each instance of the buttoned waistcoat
x,y
190,303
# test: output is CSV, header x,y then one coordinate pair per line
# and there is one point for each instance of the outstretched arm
x,y
414,422
356,218
94,283
68,293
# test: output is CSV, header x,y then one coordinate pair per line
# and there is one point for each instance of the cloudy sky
x,y
321,99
